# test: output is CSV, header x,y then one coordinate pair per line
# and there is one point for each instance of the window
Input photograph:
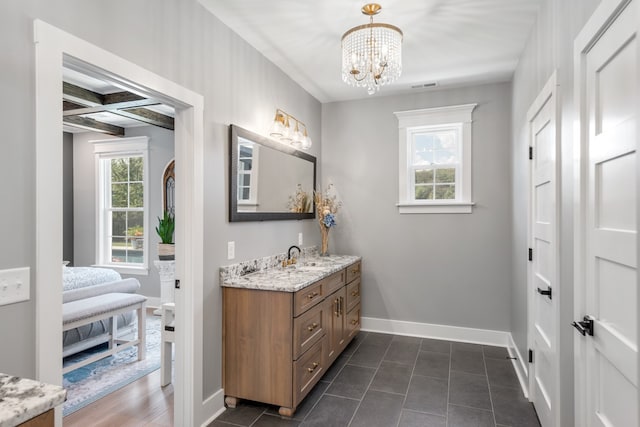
x,y
435,160
122,223
247,175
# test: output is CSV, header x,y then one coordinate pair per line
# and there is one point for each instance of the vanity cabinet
x,y
277,344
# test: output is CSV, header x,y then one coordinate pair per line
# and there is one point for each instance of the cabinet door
x,y
336,305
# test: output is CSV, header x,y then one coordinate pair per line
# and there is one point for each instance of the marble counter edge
x,y
22,399
294,279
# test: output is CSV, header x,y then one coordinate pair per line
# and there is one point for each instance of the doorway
x,y
53,47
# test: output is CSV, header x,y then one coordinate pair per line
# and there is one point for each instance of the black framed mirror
x,y
268,180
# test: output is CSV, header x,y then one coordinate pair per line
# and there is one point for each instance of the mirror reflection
x,y
269,181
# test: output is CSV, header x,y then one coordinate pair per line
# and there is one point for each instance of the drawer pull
x,y
313,295
336,306
315,365
355,294
355,270
354,322
312,326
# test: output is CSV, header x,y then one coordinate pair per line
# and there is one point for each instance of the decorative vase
x,y
324,250
166,251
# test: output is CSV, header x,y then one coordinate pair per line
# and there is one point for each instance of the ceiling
x,y
93,103
450,42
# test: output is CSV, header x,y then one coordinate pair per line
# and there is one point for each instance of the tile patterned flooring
x,y
385,380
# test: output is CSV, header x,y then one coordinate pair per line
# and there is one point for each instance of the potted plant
x,y
165,228
136,234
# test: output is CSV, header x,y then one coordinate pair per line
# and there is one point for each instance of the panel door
x,y
610,263
543,271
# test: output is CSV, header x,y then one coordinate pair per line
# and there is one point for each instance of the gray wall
x,y
549,47
178,40
67,194
160,154
449,269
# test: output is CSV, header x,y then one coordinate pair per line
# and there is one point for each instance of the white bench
x,y
107,306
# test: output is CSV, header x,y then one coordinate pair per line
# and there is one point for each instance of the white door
x,y
543,290
607,73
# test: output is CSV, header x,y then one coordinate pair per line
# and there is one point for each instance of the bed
x,y
86,282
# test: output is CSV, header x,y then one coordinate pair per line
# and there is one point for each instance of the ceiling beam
x,y
110,107
147,116
79,95
94,125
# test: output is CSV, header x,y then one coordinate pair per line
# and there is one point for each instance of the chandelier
x,y
371,53
281,130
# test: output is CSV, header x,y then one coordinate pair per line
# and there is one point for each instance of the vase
x,y
324,249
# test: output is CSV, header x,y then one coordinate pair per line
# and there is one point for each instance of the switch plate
x,y
14,285
300,239
231,250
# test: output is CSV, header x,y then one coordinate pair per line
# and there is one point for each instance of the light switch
x,y
231,250
14,285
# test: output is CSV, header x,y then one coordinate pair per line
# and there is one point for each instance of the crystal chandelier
x,y
281,130
371,53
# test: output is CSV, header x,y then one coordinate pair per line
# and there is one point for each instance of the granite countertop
x,y
22,399
307,271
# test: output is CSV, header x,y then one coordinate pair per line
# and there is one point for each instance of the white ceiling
x,y
451,42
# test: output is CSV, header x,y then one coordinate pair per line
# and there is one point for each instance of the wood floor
x,y
141,403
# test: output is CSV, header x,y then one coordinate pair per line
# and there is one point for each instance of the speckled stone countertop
x,y
22,399
308,270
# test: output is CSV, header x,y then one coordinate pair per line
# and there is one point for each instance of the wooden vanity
x,y
277,344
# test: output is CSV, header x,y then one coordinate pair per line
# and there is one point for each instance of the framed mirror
x,y
268,180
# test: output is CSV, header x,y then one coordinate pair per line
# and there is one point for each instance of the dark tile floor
x,y
394,381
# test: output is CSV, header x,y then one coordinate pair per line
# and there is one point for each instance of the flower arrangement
x,y
326,207
299,202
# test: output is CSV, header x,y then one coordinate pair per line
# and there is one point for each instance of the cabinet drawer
x,y
333,282
353,272
353,322
353,294
308,370
308,329
306,298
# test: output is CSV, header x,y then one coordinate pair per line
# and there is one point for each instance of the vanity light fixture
x,y
281,130
371,53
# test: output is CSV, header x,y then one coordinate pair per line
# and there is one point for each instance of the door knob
x,y
585,326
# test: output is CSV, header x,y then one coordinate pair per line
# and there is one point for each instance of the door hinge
x,y
530,356
530,153
177,285
530,254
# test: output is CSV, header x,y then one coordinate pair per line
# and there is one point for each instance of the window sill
x,y
135,271
435,207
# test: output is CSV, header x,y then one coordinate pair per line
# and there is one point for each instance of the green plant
x,y
165,228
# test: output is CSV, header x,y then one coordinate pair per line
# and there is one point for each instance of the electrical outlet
x,y
300,239
14,285
231,250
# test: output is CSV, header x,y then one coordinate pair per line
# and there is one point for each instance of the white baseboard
x,y
214,404
442,332
519,365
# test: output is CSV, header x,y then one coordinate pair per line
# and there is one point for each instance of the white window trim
x,y
120,147
408,121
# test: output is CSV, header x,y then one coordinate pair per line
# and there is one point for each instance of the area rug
x,y
87,384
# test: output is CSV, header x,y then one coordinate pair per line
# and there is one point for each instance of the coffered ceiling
x,y
449,42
